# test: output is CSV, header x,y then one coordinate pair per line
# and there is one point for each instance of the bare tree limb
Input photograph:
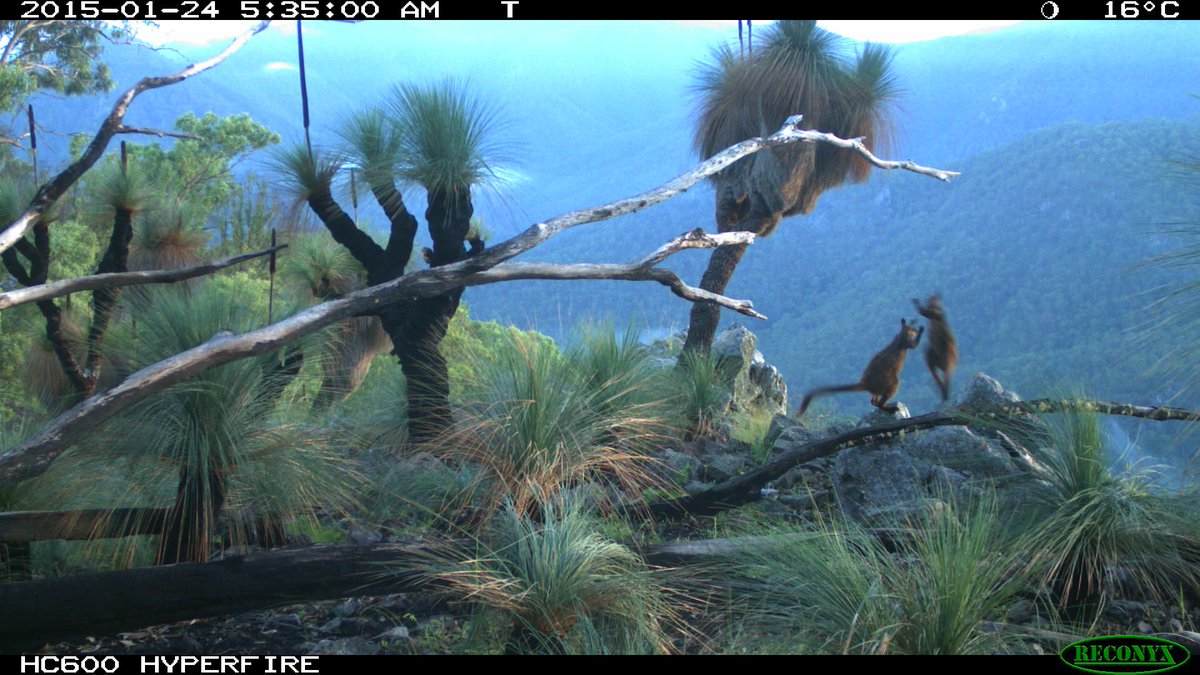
x,y
36,454
57,186
856,144
1048,405
640,270
746,487
93,282
82,525
125,129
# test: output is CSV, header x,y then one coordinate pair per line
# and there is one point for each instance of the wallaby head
x,y
932,309
909,336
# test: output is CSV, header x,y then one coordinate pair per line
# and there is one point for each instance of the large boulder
x,y
678,468
877,416
770,391
756,383
982,391
664,352
885,483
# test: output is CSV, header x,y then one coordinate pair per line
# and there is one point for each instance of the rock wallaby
x,y
941,350
881,378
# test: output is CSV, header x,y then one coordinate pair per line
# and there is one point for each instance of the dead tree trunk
x,y
36,612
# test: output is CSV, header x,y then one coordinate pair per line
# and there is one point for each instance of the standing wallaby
x,y
941,350
881,378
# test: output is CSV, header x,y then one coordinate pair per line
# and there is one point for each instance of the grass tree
x,y
171,235
437,137
74,339
797,68
218,430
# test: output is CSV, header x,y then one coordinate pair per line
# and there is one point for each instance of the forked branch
x,y
640,270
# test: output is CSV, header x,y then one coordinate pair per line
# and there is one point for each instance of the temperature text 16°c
x,y
1142,9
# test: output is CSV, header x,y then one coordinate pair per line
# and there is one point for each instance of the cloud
x,y
280,65
201,33
910,31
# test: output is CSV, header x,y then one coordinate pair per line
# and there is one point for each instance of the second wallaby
x,y
881,378
941,350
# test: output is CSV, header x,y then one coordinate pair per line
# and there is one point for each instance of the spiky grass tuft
x,y
218,440
562,587
699,391
304,173
837,589
538,424
1097,519
446,136
324,267
1092,518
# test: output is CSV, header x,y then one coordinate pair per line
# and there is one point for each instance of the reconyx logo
x,y
1121,654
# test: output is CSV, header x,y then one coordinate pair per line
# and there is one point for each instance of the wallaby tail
x,y
821,391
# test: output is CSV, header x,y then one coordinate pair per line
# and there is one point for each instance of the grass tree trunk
x,y
419,347
426,372
190,523
104,300
705,316
418,327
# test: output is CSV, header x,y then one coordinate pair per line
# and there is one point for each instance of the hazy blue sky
x,y
203,32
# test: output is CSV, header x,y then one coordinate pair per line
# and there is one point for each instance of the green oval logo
x,y
1121,654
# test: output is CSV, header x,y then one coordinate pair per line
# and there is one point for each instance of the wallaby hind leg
x,y
881,403
943,383
886,396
